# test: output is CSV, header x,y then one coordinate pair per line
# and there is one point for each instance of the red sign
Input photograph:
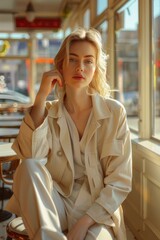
x,y
38,23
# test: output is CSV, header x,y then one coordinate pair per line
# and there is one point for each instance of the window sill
x,y
149,145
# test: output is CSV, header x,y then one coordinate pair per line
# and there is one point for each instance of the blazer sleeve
x,y
31,142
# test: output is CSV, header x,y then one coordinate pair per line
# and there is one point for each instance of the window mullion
x,y
144,70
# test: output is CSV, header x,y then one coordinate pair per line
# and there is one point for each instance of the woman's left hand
x,y
79,230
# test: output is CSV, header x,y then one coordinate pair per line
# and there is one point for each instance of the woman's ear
x,y
61,69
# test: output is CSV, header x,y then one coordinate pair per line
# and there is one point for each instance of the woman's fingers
x,y
56,77
48,82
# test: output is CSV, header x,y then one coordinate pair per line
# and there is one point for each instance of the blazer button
x,y
59,153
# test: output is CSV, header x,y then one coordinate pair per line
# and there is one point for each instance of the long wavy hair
x,y
99,82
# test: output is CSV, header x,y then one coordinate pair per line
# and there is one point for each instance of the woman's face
x,y
79,71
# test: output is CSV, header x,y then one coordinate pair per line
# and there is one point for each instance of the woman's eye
x,y
89,61
72,60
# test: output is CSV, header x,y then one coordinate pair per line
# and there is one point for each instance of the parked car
x,y
130,102
12,101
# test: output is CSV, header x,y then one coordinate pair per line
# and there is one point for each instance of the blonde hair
x,y
99,83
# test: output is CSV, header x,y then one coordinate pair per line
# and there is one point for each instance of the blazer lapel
x,y
92,129
100,111
57,112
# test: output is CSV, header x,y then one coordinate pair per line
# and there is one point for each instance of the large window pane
x,y
14,35
156,68
42,65
103,29
13,48
86,19
47,47
101,6
16,74
126,31
22,68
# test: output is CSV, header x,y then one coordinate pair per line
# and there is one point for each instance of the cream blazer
x,y
108,156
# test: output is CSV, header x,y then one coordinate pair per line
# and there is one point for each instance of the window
x,y
14,35
47,47
45,51
156,68
13,48
126,31
15,62
16,74
101,6
67,31
41,65
103,29
86,20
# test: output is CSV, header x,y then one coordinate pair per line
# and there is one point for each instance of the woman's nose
x,y
80,67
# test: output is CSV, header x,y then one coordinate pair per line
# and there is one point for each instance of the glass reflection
x,y
127,60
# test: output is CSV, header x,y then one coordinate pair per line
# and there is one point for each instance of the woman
x,y
76,150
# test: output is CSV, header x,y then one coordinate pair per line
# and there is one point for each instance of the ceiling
x,y
42,8
46,8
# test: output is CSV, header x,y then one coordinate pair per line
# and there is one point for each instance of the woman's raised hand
x,y
49,79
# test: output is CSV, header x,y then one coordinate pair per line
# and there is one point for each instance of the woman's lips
x,y
78,77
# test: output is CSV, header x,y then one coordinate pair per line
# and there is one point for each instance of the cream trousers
x,y
46,214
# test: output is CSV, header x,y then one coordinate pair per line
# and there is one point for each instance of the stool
x,y
16,230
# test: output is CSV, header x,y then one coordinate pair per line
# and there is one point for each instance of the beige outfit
x,y
93,175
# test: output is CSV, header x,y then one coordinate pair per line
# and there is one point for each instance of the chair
x,y
16,230
8,163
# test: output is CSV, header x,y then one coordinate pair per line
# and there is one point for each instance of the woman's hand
x,y
79,230
49,79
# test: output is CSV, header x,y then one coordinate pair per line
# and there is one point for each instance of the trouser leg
x,y
33,189
77,206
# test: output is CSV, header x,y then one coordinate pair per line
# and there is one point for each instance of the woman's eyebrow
x,y
74,54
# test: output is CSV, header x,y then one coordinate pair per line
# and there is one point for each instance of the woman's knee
x,y
32,172
28,167
31,163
